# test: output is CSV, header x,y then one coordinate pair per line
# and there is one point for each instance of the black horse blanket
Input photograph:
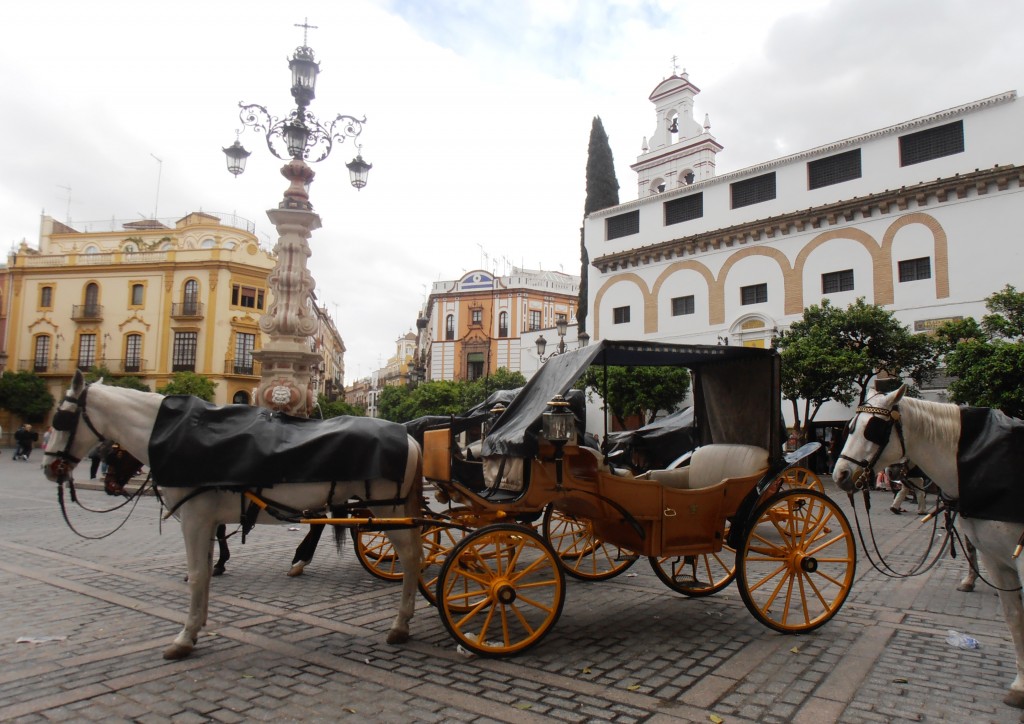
x,y
990,462
197,444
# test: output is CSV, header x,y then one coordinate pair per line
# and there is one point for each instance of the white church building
x,y
923,217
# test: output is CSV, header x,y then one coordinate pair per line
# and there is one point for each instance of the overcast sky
x,y
478,114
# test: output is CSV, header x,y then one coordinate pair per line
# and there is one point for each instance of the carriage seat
x,y
585,462
712,464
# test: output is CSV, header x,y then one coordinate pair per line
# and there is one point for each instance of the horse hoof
x,y
176,652
1014,699
296,569
218,570
965,587
398,637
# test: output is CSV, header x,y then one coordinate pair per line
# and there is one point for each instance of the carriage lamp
x,y
558,426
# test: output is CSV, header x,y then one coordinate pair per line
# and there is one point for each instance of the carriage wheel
x,y
697,575
501,590
438,541
796,564
801,477
376,554
581,554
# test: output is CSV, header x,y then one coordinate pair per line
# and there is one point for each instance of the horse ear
x,y
78,382
897,395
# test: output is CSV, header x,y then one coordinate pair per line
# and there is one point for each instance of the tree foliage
x,y
602,192
25,395
833,354
443,397
643,391
109,378
190,383
337,408
986,359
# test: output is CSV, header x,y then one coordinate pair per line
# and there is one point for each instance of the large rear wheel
x,y
438,541
697,575
500,590
801,477
797,561
582,554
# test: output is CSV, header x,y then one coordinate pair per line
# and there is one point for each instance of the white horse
x,y
930,434
92,412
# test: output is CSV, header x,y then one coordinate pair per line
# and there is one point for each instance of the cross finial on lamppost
x,y
306,27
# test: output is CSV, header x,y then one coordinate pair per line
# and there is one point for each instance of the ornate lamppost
x,y
288,364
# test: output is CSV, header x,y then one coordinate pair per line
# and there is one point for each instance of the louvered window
x,y
684,209
753,190
932,143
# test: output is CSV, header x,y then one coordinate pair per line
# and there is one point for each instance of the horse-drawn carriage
x,y
733,508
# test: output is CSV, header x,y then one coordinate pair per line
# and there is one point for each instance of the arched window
x,y
241,398
190,297
92,300
449,327
503,324
207,244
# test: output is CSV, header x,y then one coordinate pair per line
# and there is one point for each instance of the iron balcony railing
x,y
250,368
47,366
86,312
186,309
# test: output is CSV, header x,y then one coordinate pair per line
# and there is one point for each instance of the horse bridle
x,y
877,431
67,421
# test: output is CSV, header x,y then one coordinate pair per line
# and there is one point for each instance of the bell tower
x,y
680,151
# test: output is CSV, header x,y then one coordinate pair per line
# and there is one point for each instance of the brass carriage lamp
x,y
558,427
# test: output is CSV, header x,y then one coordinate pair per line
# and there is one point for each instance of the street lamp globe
x,y
542,344
236,157
304,72
358,170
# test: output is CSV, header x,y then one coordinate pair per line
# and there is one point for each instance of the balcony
x,y
87,312
187,310
247,368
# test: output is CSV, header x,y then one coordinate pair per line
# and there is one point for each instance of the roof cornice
x,y
885,202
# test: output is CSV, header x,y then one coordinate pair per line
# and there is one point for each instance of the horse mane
x,y
936,422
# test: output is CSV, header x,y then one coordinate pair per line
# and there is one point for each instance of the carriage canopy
x,y
736,393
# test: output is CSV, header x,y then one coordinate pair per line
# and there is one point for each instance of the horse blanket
x,y
197,444
990,458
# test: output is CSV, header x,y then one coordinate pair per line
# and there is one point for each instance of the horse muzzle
x,y
57,471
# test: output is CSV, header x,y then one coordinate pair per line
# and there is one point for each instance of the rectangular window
x,y
41,360
449,328
620,315
839,281
133,353
913,269
46,297
248,297
183,357
753,190
754,294
682,305
684,209
534,320
477,316
244,345
137,295
475,365
932,143
622,225
833,169
86,352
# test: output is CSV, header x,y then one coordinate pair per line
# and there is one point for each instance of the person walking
x,y
21,442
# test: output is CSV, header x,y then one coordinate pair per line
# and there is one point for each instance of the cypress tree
x,y
602,192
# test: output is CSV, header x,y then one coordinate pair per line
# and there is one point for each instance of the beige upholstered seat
x,y
712,464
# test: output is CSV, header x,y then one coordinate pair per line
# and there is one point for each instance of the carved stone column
x,y
286,360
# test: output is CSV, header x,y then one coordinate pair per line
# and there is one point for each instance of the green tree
x,y
25,395
866,340
189,383
602,193
479,390
443,397
337,408
986,360
108,377
640,391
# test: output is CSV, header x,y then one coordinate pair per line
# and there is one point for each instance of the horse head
x,y
70,441
875,439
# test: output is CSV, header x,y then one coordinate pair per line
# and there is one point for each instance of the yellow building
x,y
473,326
145,298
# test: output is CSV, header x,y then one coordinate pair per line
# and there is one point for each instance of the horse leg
x,y
223,554
968,581
408,545
1006,575
198,534
304,553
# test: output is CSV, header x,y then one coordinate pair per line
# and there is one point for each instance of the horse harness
x,y
878,430
67,421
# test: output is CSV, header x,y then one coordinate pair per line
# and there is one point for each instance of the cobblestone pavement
x,y
312,648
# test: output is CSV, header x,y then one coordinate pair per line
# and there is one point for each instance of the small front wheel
x,y
376,554
500,590
796,563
